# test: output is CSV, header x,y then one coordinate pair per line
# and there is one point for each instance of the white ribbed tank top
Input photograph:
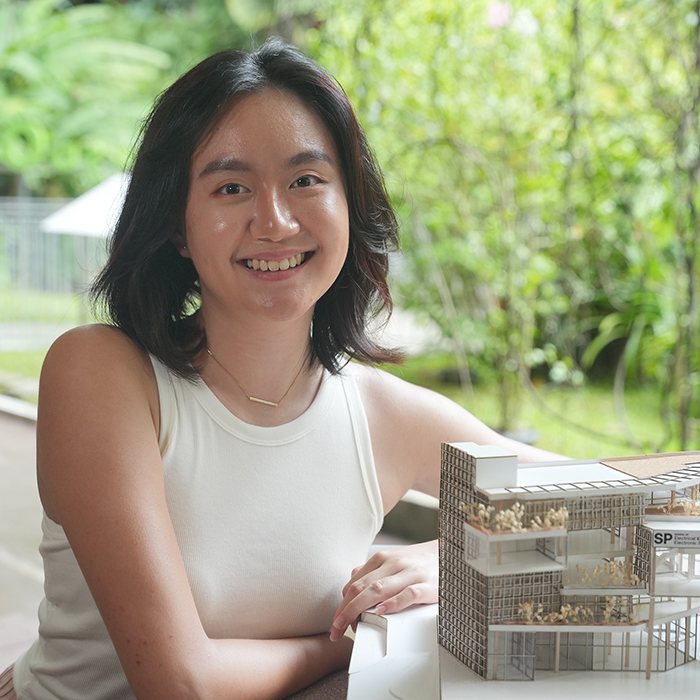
x,y
270,523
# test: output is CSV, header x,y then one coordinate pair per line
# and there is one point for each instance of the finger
x,y
369,590
378,561
361,596
414,594
374,582
361,577
385,576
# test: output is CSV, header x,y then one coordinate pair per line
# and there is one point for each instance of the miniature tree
x,y
552,519
510,519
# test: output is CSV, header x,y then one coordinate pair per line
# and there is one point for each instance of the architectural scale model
x,y
568,565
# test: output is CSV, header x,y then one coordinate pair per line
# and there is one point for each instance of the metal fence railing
x,y
43,276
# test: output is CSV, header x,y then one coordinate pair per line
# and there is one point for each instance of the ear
x,y
180,243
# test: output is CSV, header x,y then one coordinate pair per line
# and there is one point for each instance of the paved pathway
x,y
21,576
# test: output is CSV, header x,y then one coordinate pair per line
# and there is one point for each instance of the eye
x,y
231,188
306,181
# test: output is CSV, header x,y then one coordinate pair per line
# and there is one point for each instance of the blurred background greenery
x,y
543,155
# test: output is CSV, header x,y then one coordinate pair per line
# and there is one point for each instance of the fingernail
x,y
340,623
380,609
338,629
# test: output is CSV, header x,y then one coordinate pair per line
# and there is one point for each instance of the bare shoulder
x,y
94,376
95,347
425,413
408,424
96,359
378,385
98,399
401,400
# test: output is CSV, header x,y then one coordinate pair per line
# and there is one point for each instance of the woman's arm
x,y
408,425
101,478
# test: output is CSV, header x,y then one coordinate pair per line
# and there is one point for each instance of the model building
x,y
568,565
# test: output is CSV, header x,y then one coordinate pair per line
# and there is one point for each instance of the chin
x,y
286,309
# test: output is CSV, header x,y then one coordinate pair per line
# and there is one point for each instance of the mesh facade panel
x,y
462,613
462,621
642,553
598,512
512,656
506,593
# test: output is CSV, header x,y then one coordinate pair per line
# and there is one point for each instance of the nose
x,y
273,218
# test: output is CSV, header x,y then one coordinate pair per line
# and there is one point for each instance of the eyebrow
x,y
225,164
235,165
308,156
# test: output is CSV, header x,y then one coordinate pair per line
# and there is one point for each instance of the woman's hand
x,y
391,580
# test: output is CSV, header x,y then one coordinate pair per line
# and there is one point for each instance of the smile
x,y
275,265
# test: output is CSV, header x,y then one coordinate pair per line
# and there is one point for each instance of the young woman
x,y
211,468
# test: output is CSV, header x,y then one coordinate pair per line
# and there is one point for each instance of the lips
x,y
275,265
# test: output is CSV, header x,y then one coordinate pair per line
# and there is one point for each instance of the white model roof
x,y
569,478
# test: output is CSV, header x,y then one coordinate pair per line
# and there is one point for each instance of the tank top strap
x,y
168,403
363,441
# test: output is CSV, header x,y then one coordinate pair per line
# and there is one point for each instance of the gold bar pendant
x,y
262,401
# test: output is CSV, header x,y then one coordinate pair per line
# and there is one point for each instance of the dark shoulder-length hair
x,y
150,291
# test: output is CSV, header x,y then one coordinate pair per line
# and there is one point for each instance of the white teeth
x,y
275,265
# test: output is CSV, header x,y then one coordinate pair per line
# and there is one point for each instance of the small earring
x,y
184,247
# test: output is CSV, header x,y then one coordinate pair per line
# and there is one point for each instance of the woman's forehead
x,y
271,119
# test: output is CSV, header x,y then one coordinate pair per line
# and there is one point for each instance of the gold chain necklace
x,y
254,399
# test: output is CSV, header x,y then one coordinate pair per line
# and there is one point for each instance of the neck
x,y
266,361
256,399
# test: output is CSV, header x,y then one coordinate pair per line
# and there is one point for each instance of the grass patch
x,y
25,364
600,434
32,305
19,372
590,407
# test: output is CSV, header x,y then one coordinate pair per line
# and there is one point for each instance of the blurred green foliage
x,y
544,157
75,81
70,92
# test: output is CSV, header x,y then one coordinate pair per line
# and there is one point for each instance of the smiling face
x,y
267,216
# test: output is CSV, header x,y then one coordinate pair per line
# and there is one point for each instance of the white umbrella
x,y
92,214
